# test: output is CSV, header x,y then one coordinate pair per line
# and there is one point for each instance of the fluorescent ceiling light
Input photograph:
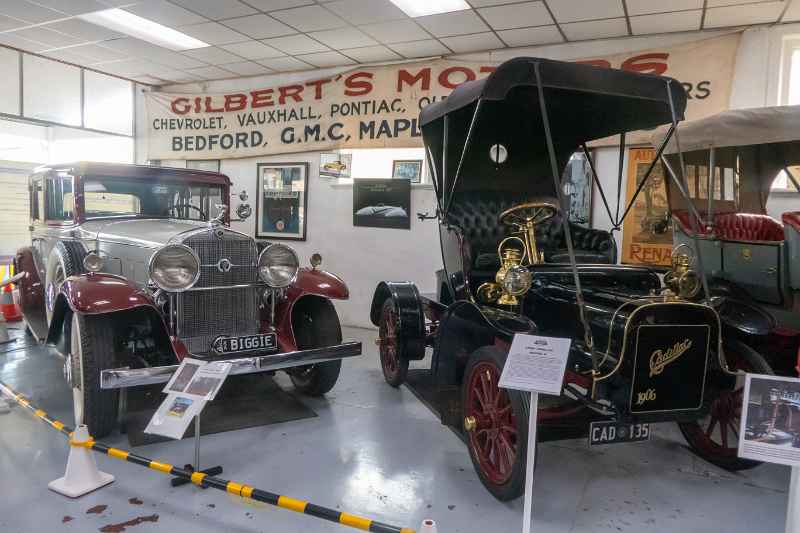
x,y
142,28
420,8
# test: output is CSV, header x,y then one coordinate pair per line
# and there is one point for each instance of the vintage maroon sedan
x,y
133,268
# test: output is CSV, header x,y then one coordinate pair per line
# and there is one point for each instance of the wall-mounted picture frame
x,y
282,199
335,165
409,169
382,203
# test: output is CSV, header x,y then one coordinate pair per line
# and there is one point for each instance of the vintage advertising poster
x,y
281,202
378,106
770,421
646,231
382,203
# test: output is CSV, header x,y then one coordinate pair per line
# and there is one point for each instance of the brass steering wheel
x,y
523,214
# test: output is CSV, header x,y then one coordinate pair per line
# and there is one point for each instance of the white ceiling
x,y
252,37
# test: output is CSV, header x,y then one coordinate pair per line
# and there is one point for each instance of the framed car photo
x,y
281,201
382,203
407,169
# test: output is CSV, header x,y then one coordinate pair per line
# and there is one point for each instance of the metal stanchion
x,y
213,471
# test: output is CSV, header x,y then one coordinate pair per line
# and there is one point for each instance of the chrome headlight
x,y
174,267
278,266
92,262
517,281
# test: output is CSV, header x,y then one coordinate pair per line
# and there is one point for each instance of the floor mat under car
x,y
243,402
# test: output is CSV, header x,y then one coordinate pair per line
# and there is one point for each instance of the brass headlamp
x,y
682,281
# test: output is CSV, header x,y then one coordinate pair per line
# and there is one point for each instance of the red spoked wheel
x,y
715,438
496,423
393,364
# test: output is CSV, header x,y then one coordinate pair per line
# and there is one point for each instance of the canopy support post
x,y
467,143
619,174
712,174
649,171
551,151
596,180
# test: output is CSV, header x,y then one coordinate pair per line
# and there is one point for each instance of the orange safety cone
x,y
10,310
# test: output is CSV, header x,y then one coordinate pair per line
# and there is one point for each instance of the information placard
x,y
767,430
536,364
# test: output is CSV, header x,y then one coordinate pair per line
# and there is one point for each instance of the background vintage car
x,y
134,266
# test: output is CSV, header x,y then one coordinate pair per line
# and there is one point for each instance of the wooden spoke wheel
x,y
715,438
496,421
393,364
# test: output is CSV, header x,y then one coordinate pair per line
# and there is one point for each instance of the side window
x,y
37,199
60,198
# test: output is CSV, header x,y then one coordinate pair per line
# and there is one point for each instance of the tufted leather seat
x,y
737,226
792,218
477,218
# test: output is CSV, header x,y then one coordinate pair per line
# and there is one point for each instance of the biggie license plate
x,y
245,343
615,433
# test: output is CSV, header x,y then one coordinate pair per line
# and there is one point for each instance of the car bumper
x,y
122,378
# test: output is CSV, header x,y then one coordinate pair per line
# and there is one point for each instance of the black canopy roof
x,y
584,103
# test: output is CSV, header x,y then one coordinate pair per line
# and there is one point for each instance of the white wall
x,y
364,256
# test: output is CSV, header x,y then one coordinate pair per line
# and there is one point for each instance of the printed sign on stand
x,y
536,365
191,386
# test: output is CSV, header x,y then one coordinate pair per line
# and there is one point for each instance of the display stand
x,y
213,471
527,514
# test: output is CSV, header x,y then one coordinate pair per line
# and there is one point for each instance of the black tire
x,y
393,364
92,350
65,260
481,360
316,325
739,356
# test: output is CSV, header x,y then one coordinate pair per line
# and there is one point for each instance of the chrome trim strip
x,y
122,378
242,286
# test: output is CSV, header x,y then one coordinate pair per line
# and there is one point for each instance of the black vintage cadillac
x,y
647,346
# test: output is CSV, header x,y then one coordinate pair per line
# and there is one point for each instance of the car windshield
x,y
120,197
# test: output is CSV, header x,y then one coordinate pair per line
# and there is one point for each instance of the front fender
x,y
320,283
97,294
410,315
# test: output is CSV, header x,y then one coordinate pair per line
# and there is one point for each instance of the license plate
x,y
245,343
615,433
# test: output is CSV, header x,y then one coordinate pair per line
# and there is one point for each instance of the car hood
x,y
147,233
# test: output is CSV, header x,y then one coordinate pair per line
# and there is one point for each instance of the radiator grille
x,y
203,315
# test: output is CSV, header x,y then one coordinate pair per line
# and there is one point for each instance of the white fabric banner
x,y
378,107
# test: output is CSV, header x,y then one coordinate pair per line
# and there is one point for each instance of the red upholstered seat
x,y
685,221
792,219
747,227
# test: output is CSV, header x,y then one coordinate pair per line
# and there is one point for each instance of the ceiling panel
x,y
371,54
214,33
398,31
211,73
475,42
284,64
8,23
296,44
84,30
793,13
575,10
166,13
247,68
259,26
326,59
97,52
643,7
29,12
217,9
366,11
253,50
272,5
531,36
309,18
212,55
720,17
71,7
595,29
458,23
52,39
343,38
516,15
666,22
429,47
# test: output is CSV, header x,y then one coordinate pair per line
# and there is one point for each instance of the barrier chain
x,y
203,480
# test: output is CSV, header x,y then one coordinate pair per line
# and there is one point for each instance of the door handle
x,y
771,271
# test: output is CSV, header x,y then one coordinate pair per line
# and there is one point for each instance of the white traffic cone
x,y
82,475
428,526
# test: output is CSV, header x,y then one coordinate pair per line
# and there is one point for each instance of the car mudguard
x,y
745,317
320,283
410,314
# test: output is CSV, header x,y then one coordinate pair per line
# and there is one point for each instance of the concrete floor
x,y
373,451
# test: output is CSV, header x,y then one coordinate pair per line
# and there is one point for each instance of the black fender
x,y
742,316
410,313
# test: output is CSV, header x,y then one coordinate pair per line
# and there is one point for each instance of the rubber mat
x,y
243,402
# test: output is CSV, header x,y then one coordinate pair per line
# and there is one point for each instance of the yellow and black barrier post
x,y
203,480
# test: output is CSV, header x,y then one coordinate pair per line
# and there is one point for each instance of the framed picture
x,y
382,203
408,170
281,201
335,165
